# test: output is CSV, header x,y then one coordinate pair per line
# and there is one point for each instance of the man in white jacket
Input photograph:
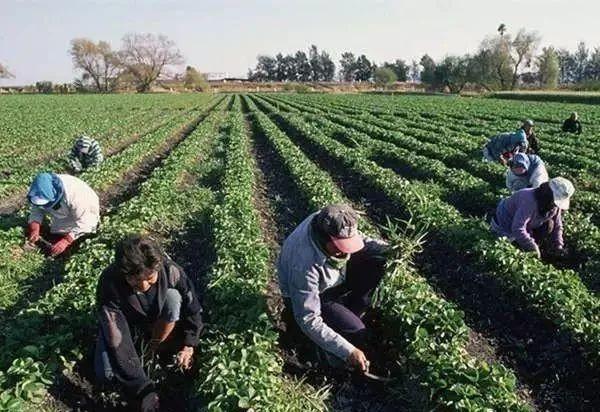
x,y
72,206
327,273
525,170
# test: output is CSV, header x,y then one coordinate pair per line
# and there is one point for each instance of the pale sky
x,y
227,35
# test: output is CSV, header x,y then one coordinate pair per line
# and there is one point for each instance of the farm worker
x,y
530,215
525,170
327,273
72,206
502,147
85,153
143,293
572,124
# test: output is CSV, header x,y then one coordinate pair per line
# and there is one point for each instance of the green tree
x,y
548,68
385,77
348,67
364,69
428,72
194,80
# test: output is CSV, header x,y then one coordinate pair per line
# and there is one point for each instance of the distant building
x,y
215,76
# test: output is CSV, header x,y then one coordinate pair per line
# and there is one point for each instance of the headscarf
x,y
46,190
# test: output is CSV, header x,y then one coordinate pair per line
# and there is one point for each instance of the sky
x,y
226,36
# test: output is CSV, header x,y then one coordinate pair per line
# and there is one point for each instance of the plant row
x,y
49,335
430,332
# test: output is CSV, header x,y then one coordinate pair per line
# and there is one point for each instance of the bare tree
x,y
523,49
145,57
97,60
4,73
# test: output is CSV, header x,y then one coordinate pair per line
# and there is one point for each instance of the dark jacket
x,y
571,126
119,310
534,144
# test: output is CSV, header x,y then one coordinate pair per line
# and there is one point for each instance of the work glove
x,y
62,245
33,231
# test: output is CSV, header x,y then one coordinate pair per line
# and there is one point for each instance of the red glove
x,y
62,245
33,231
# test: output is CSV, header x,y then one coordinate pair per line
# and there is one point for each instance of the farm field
x,y
466,321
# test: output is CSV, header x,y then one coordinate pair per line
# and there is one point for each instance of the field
x,y
465,320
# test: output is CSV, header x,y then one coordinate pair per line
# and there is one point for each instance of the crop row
x,y
48,336
558,295
240,365
38,137
17,267
430,331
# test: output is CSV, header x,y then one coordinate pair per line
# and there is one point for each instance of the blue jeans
x,y
102,365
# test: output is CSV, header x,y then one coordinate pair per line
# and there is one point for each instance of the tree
x,y
266,69
523,49
146,56
427,75
348,67
364,69
452,72
44,87
4,73
194,80
303,68
502,29
97,61
581,61
415,71
568,67
327,66
593,66
315,64
385,77
400,69
548,68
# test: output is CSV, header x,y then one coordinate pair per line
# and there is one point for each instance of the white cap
x,y
562,189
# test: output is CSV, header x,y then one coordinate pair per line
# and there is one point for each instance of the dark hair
x,y
136,254
544,198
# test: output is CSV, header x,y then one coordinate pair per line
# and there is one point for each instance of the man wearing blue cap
x,y
72,206
525,170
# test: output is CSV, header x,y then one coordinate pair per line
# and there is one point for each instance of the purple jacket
x,y
518,215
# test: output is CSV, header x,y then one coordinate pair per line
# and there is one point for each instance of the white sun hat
x,y
562,189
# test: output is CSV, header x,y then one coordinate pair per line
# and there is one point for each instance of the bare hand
x,y
357,359
150,403
184,357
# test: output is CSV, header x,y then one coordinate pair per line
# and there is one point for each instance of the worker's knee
x,y
172,306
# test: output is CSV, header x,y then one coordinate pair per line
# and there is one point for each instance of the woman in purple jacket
x,y
530,215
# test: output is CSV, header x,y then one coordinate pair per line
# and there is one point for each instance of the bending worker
x,y
144,295
327,274
504,146
530,215
572,124
85,153
525,170
72,206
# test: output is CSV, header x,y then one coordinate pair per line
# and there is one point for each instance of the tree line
x,y
503,61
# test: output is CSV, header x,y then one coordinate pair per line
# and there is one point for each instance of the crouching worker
x,y
71,205
531,215
525,170
572,124
504,146
85,153
327,273
143,295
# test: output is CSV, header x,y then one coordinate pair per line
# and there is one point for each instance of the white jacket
x,y
79,211
538,176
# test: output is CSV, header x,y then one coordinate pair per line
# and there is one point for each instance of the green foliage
x,y
385,77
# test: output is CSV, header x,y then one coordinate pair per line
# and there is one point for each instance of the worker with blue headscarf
x,y
71,205
525,170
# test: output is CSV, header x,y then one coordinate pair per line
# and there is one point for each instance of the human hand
x,y
184,357
33,232
150,403
62,245
358,360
